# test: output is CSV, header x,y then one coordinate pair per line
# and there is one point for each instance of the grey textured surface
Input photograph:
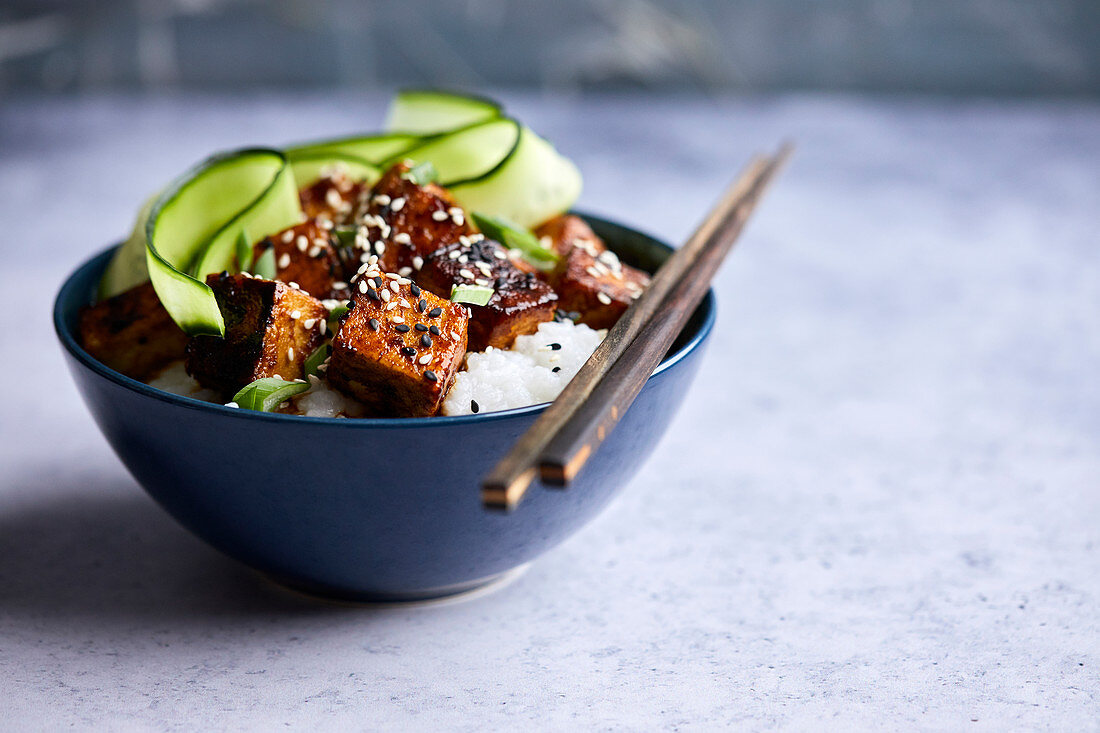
x,y
880,507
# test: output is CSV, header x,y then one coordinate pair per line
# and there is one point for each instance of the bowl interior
x,y
633,247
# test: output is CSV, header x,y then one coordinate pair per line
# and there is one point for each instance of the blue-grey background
x,y
985,47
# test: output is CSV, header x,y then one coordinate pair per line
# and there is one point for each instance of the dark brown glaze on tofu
x,y
520,301
589,278
410,221
132,333
307,254
398,348
270,330
334,198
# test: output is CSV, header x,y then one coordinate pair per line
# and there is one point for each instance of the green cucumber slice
x,y
429,111
371,148
531,185
514,236
309,167
469,153
199,218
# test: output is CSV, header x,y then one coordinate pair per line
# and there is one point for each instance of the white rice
x,y
496,379
522,375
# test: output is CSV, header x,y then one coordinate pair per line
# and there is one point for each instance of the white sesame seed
x,y
381,199
296,315
385,294
463,259
418,262
592,271
325,222
458,219
284,261
309,322
454,335
288,236
397,204
603,298
302,242
454,254
379,247
483,282
231,404
333,198
404,303
314,251
324,326
395,287
439,215
402,238
339,285
499,254
392,305
405,271
466,274
290,353
363,286
294,285
425,359
398,319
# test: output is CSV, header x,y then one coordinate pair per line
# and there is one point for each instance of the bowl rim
x,y
69,342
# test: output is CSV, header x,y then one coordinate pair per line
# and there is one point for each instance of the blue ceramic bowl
x,y
373,509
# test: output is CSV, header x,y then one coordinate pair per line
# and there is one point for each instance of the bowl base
x,y
432,597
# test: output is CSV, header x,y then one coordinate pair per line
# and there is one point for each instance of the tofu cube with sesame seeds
x,y
335,198
410,220
271,329
307,254
398,348
520,300
589,278
132,333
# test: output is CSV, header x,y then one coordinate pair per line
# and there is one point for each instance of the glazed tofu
x,y
405,221
335,198
589,278
132,333
398,348
307,254
520,300
270,330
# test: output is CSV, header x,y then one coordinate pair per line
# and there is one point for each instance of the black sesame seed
x,y
401,328
373,294
373,323
350,304
556,369
474,407
421,327
555,346
426,341
414,290
435,312
421,305
408,351
430,376
434,330
377,282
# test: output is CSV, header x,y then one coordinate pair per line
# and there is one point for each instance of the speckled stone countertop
x,y
879,508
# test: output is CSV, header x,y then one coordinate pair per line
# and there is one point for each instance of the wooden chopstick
x,y
589,425
508,481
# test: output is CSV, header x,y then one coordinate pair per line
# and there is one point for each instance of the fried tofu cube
x,y
589,278
270,330
520,300
398,348
407,221
132,333
335,198
307,254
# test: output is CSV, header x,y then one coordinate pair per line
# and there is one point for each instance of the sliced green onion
x,y
514,236
244,252
423,173
335,315
316,359
473,294
265,265
264,395
345,235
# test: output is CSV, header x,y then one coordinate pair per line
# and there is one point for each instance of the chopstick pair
x,y
567,434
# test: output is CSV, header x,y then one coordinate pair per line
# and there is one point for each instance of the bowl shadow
x,y
106,552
